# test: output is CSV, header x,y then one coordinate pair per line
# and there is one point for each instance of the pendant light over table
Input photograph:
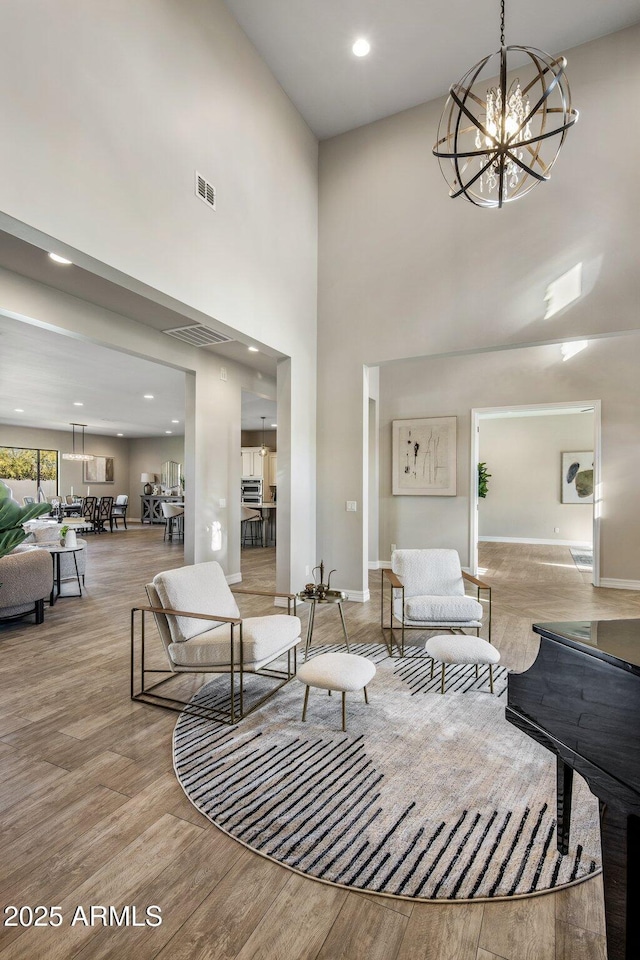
x,y
73,455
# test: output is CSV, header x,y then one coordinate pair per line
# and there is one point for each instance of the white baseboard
x,y
613,584
555,542
233,578
374,564
360,596
384,564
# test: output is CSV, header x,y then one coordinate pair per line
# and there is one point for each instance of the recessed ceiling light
x,y
148,396
168,431
175,421
19,410
361,47
274,424
59,259
253,350
78,403
119,434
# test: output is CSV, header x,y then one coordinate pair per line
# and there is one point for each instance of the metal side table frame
x,y
331,596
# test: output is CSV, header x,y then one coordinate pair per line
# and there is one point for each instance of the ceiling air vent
x,y
198,335
205,191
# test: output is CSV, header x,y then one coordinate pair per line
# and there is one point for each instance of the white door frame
x,y
476,416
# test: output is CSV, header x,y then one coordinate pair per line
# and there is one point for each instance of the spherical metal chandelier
x,y
497,141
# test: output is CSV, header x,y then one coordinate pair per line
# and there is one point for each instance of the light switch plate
x,y
352,506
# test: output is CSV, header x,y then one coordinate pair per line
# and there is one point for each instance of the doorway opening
x,y
259,486
541,465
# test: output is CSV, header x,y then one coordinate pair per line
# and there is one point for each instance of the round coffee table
x,y
330,596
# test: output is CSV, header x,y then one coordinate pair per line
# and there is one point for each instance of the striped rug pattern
x,y
425,796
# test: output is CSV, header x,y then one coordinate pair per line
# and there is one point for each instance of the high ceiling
x,y
418,47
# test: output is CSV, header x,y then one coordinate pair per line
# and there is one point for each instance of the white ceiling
x,y
418,47
44,373
254,408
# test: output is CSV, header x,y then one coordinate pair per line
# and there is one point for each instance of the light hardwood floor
x,y
91,812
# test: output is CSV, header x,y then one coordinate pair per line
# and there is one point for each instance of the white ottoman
x,y
461,648
345,672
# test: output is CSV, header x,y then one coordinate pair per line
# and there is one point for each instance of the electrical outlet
x,y
352,506
556,529
223,373
223,502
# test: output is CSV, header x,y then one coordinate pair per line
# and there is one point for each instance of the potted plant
x,y
483,480
63,534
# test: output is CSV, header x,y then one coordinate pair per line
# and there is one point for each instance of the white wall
x,y
453,386
147,454
112,107
404,271
523,456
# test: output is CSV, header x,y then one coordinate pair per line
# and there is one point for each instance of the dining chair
x,y
119,510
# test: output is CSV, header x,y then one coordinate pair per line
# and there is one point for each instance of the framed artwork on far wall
x,y
98,470
424,457
577,477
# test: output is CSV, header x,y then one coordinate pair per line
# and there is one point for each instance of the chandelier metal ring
x,y
493,146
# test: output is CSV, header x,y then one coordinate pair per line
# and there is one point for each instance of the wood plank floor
x,y
91,813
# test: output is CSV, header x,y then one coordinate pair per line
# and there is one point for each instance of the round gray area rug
x,y
425,796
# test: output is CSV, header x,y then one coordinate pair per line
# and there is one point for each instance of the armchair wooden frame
x,y
395,583
144,693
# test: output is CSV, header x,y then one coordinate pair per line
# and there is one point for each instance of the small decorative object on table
x,y
63,535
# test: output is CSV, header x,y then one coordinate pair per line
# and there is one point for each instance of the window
x,y
29,473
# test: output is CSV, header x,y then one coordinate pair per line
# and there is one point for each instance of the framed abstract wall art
x,y
577,477
424,457
98,470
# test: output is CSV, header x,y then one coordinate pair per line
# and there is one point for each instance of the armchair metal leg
x,y
344,711
491,677
442,683
306,701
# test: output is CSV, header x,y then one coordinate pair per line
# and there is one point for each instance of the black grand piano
x,y
581,699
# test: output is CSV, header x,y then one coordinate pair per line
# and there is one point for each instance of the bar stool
x,y
251,524
172,513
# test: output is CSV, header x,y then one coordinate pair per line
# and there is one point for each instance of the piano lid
x,y
616,641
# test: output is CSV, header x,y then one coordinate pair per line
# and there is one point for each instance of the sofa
x,y
26,581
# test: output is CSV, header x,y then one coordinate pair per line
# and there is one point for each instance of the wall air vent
x,y
205,191
198,335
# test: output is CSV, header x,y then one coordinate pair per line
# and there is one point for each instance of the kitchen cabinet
x,y
272,461
253,465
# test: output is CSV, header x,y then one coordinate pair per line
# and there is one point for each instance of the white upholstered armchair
x,y
427,591
201,631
